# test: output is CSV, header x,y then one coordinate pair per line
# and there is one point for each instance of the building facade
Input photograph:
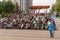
x,y
23,4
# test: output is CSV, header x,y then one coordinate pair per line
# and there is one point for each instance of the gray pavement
x,y
15,34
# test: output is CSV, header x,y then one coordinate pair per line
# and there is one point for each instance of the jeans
x,y
51,33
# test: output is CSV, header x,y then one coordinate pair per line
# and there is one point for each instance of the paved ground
x,y
14,34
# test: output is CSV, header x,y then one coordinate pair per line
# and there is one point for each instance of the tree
x,y
56,7
6,7
0,7
17,8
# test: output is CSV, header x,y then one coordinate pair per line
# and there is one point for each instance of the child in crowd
x,y
51,28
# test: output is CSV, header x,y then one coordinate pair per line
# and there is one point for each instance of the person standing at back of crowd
x,y
51,28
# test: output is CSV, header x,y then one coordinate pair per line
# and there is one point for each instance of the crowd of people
x,y
26,21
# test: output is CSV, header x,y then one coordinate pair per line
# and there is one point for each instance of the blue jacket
x,y
50,27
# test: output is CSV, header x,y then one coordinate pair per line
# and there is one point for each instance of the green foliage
x,y
9,7
56,7
16,8
6,7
